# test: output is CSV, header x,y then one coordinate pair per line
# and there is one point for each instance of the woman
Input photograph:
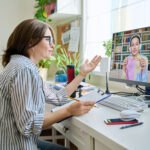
x,y
135,66
22,104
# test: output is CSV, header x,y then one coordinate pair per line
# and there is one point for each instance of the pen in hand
x,y
79,101
131,125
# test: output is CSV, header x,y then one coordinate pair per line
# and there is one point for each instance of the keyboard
x,y
116,102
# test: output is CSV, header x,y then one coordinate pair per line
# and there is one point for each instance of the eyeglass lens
x,y
50,39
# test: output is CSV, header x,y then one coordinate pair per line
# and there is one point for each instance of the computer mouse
x,y
130,114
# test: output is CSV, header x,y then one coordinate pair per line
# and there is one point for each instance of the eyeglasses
x,y
50,39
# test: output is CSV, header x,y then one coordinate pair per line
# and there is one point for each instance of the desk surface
x,y
135,138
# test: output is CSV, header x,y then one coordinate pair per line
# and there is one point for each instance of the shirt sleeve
x,y
27,99
53,96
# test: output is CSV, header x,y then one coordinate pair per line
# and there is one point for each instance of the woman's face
x,y
135,46
44,49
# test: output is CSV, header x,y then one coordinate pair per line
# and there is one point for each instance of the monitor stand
x,y
107,87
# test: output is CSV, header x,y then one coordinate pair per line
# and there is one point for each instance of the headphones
x,y
135,36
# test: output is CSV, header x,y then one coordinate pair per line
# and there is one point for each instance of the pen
x,y
131,125
79,101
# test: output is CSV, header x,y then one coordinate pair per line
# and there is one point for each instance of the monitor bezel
x,y
130,82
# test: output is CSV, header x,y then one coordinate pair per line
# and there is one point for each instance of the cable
x,y
126,93
140,89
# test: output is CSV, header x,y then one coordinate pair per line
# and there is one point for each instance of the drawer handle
x,y
65,129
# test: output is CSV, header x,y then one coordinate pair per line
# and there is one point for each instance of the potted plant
x,y
105,62
108,46
44,66
64,58
42,12
60,76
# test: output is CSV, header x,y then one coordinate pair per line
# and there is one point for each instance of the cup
x,y
70,77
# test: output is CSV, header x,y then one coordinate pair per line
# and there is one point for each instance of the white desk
x,y
89,132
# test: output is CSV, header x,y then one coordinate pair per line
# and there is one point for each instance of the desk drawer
x,y
77,136
107,145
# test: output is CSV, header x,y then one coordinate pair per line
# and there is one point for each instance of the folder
x,y
60,107
85,97
94,96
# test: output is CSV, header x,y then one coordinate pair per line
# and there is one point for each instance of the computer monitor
x,y
130,60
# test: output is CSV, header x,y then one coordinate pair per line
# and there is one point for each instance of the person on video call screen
x,y
135,66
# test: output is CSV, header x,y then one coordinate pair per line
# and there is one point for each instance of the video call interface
x,y
130,59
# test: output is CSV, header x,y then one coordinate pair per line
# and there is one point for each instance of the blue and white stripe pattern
x,y
22,104
53,96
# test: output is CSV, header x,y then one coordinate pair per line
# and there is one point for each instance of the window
x,y
103,18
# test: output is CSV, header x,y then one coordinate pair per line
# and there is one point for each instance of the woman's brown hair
x,y
18,42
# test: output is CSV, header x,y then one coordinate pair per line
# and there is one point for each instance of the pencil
x,y
79,101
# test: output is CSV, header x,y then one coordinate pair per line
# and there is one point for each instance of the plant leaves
x,y
108,46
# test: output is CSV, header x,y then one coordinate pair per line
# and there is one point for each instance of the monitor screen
x,y
130,59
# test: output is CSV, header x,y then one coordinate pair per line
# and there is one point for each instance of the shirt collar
x,y
27,60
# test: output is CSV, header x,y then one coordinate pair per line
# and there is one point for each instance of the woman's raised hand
x,y
87,66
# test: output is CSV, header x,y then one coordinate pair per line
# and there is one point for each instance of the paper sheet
x,y
65,37
74,37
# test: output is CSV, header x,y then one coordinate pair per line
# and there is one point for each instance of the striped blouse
x,y
22,104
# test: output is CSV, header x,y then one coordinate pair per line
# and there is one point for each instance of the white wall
x,y
12,12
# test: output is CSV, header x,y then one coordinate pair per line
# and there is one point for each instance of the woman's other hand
x,y
125,62
74,109
80,108
87,66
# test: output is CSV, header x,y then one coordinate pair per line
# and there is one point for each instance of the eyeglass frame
x,y
51,40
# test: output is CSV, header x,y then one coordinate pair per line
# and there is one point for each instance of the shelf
x,y
145,41
60,16
65,10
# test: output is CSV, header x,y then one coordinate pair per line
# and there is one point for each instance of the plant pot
x,y
43,73
60,77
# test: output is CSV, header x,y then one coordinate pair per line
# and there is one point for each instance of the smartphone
x,y
119,121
